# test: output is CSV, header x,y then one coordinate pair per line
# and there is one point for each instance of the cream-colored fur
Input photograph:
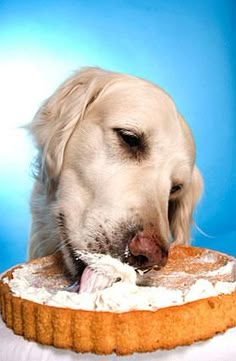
x,y
90,191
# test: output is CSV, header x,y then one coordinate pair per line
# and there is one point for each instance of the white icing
x,y
208,257
125,297
120,297
225,287
106,265
224,270
202,288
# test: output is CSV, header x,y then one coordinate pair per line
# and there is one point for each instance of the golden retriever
x,y
115,172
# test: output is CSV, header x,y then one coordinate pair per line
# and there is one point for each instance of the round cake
x,y
192,298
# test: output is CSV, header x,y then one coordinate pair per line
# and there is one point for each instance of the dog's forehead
x,y
136,103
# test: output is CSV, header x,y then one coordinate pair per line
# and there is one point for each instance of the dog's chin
x,y
73,267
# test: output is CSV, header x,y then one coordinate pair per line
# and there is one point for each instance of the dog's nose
x,y
146,251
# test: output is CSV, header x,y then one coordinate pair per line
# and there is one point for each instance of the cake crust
x,y
124,332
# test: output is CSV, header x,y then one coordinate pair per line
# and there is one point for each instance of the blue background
x,y
186,47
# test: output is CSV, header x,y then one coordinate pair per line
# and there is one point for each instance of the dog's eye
x,y
176,188
130,138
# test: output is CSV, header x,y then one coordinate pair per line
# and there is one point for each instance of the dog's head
x,y
117,163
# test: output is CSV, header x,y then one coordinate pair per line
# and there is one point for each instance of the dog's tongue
x,y
101,272
91,281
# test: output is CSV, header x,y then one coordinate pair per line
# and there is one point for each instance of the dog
x,y
115,174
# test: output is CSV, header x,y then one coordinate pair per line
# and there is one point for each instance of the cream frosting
x,y
28,283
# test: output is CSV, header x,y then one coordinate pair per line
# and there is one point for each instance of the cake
x,y
192,298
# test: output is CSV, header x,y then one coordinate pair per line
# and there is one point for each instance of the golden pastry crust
x,y
122,333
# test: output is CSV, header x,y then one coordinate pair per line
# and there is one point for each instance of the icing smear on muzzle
x,y
101,271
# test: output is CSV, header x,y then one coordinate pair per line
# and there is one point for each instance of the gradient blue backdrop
x,y
187,47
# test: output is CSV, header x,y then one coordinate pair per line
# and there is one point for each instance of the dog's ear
x,y
181,210
57,118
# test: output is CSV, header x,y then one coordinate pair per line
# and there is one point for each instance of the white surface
x,y
15,348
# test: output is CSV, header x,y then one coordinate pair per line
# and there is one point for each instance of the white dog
x,y
116,172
